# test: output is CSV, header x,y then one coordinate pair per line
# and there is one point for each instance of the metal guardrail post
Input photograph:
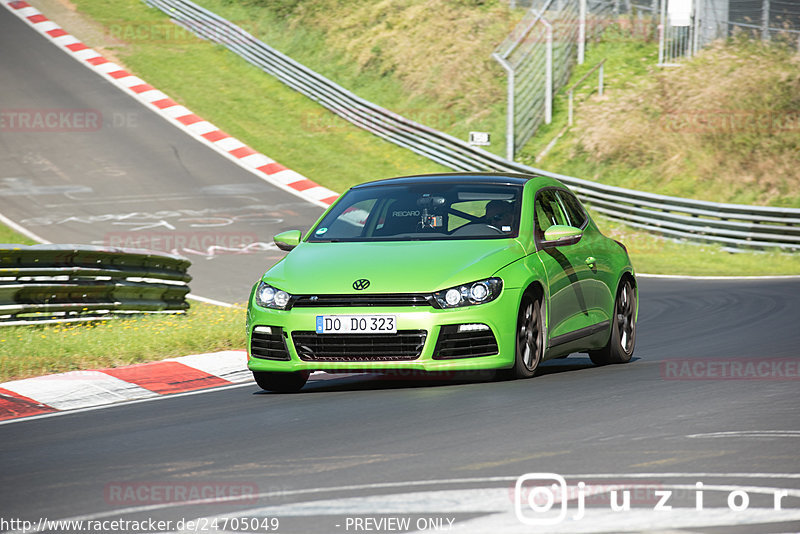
x,y
518,56
548,91
765,20
662,32
698,6
569,108
601,78
582,33
510,148
570,92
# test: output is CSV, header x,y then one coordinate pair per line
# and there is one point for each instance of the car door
x,y
569,274
598,296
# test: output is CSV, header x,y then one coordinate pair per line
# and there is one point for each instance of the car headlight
x,y
271,297
479,292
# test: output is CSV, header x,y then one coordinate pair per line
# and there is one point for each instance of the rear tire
x,y
281,382
530,338
623,328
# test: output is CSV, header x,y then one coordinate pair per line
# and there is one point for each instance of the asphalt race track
x,y
573,418
133,179
711,397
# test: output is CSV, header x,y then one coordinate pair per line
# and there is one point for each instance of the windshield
x,y
423,212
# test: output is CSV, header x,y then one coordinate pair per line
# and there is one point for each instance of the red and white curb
x,y
83,389
77,390
262,166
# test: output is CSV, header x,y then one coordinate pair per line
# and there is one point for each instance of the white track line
x,y
690,277
213,302
22,230
126,403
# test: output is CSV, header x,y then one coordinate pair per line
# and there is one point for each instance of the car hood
x,y
391,267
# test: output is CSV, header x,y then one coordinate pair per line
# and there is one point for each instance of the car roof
x,y
488,178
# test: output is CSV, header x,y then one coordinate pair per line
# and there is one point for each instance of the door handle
x,y
590,261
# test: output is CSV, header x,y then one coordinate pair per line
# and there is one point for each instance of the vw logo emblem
x,y
360,284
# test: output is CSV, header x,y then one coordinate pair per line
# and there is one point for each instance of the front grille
x,y
269,345
367,300
406,345
453,344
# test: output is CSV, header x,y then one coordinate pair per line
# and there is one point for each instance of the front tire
x,y
530,338
623,328
281,382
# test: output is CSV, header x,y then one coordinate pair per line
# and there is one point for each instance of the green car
x,y
446,272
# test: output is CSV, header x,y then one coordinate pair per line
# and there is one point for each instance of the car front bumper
x,y
292,332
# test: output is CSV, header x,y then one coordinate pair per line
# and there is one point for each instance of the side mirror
x,y
287,240
559,235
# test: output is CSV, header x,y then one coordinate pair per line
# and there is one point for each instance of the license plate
x,y
356,324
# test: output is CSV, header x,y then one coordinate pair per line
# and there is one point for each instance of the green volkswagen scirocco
x,y
444,272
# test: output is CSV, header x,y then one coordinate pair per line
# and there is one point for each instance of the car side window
x,y
548,212
575,212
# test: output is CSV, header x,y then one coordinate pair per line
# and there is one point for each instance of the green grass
x,y
654,254
247,103
451,83
44,349
9,236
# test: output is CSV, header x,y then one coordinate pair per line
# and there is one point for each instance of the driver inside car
x,y
499,213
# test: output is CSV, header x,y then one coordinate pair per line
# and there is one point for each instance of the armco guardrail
x,y
46,283
727,224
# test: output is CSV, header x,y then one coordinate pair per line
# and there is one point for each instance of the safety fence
x,y
538,56
61,283
727,224
767,19
686,26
